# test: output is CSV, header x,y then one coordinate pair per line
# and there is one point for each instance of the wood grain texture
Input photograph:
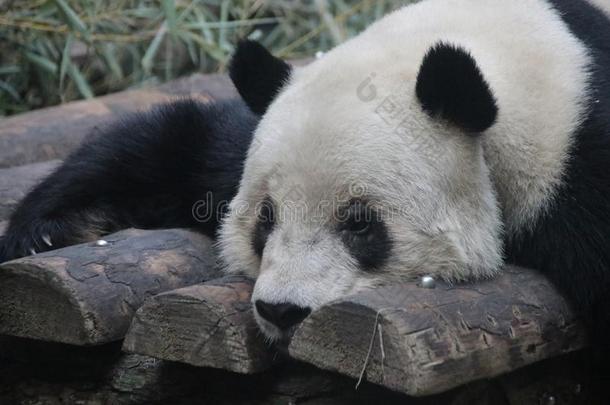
x,y
87,294
15,182
425,341
207,325
52,133
45,373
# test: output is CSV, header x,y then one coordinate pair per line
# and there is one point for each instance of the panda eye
x,y
365,234
358,219
266,215
358,226
264,225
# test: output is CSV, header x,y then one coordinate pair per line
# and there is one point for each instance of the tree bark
x,y
424,341
15,182
52,133
87,294
207,325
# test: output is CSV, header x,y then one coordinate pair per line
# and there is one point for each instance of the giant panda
x,y
447,139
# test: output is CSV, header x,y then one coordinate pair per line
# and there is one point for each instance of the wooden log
x,y
15,182
207,325
87,294
51,133
424,341
34,372
50,373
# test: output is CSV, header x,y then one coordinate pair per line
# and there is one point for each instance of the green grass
x,y
53,51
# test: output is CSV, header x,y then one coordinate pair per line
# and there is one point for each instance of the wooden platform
x,y
162,293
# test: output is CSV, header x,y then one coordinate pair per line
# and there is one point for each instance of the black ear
x,y
450,85
257,75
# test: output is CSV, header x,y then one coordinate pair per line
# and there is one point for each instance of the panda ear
x,y
450,85
257,75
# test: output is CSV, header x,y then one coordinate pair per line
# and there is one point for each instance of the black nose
x,y
282,315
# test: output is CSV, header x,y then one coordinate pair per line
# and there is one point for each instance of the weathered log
x,y
424,341
87,294
34,372
15,182
207,325
51,133
50,373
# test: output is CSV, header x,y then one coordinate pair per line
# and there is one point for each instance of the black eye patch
x,y
264,225
366,235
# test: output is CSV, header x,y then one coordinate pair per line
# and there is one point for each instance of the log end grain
x,y
35,304
87,294
207,325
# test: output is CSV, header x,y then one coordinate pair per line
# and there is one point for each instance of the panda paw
x,y
16,244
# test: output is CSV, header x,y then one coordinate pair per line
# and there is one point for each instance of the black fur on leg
x,y
147,170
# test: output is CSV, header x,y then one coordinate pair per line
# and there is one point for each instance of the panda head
x,y
361,172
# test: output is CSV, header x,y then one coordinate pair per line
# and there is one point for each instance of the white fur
x,y
603,5
329,132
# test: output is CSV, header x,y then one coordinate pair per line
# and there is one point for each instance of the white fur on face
x,y
351,120
537,70
305,269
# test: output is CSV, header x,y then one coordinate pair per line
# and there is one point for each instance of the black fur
x,y
451,86
148,171
571,243
257,75
264,226
366,236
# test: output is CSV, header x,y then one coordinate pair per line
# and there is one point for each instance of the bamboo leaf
x,y
169,8
80,81
201,23
151,52
72,18
9,69
230,24
45,64
111,61
224,16
123,39
66,59
10,90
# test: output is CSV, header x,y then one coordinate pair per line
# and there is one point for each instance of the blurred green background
x,y
53,51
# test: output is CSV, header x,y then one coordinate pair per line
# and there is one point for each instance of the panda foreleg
x,y
146,171
31,234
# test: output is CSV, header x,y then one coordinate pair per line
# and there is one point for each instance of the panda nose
x,y
282,315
